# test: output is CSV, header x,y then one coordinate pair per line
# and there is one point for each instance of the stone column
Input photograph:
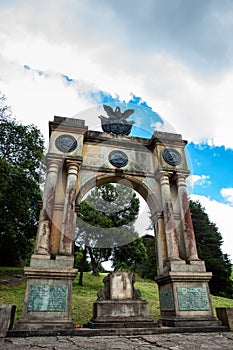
x,y
169,221
187,224
45,223
69,215
161,247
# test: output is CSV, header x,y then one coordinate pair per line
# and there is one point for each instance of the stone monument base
x,y
47,304
185,299
121,314
119,304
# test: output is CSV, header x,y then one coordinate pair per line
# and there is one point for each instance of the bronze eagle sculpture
x,y
116,122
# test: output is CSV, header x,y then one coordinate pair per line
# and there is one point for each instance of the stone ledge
x,y
117,331
47,273
179,321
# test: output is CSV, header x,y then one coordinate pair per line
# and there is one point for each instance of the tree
x,y
21,151
147,269
129,257
21,146
106,219
209,241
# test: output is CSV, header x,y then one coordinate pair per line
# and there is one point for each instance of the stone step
x,y
120,324
116,331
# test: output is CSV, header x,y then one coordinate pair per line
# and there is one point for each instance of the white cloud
x,y
172,54
220,214
37,98
227,193
198,180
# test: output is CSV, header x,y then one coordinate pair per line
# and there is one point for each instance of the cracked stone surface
x,y
175,341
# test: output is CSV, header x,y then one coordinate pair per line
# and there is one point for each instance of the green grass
x,y
10,271
84,296
9,294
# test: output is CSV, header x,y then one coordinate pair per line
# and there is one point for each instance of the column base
x,y
185,299
48,296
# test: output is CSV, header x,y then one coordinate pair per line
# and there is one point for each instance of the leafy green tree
x,y
21,146
147,269
105,220
129,257
209,241
21,151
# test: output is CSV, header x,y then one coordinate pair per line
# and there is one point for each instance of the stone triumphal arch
x,y
79,159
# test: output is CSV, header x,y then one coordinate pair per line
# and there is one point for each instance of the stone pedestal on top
x,y
119,304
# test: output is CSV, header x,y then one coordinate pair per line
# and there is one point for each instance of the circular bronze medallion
x,y
118,159
172,156
66,143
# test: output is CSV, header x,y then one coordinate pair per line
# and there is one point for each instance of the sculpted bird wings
x,y
127,113
117,113
109,111
116,122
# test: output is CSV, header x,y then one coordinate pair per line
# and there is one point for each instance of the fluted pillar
x,y
45,223
69,215
169,221
187,224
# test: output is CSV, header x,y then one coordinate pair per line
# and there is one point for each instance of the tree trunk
x,y
93,263
80,281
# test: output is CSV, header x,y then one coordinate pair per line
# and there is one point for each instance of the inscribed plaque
x,y
48,298
192,299
166,300
121,286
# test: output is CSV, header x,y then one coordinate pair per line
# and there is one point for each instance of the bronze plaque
x,y
48,298
66,143
166,300
192,299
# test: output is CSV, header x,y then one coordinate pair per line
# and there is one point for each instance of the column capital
x,y
74,162
155,216
161,174
53,162
181,180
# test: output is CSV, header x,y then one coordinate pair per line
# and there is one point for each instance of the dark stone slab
x,y
225,314
7,314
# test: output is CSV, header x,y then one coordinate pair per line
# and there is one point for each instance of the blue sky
x,y
171,58
214,165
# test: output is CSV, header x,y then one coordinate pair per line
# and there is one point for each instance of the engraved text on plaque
x,y
192,299
48,298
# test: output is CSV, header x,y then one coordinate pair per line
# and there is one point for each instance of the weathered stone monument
x,y
119,304
79,159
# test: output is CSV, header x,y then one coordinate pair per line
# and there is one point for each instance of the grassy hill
x,y
13,285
